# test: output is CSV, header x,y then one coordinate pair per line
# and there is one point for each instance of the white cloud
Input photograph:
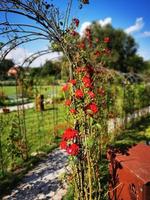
x,y
139,23
146,34
102,22
106,21
19,54
41,60
84,26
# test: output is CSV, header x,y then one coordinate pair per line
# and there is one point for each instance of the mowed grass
x,y
9,90
136,133
45,90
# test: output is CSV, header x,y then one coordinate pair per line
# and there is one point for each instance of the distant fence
x,y
24,131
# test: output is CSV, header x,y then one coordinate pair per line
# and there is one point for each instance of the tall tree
x,y
50,68
123,48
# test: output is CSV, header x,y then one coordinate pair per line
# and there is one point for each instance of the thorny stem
x,y
89,175
69,60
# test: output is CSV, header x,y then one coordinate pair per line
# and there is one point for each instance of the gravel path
x,y
43,182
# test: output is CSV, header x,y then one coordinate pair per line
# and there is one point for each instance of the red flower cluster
x,y
79,94
81,69
106,40
73,149
73,111
63,145
65,87
97,53
70,134
73,81
87,81
81,45
74,33
96,40
76,22
88,69
68,102
88,33
92,107
91,94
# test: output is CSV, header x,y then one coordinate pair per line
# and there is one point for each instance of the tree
x,y
4,67
50,68
123,48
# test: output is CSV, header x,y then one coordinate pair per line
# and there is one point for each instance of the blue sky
x,y
132,16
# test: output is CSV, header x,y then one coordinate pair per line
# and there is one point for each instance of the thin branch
x,y
23,14
67,14
16,39
35,55
19,31
23,25
5,53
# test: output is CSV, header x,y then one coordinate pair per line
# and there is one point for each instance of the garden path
x,y
14,108
44,182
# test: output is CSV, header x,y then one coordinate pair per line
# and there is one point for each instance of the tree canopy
x,y
123,48
47,69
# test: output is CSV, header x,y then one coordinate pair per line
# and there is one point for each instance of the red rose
x,y
91,94
65,87
92,107
106,40
97,53
70,134
96,40
87,81
76,22
79,94
73,149
63,145
74,33
68,102
81,45
73,81
88,33
81,69
73,111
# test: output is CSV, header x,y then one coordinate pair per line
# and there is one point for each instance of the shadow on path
x,y
43,182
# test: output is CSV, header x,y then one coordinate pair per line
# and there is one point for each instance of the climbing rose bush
x,y
86,103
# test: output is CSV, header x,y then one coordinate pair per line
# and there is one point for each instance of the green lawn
x,y
42,129
49,91
45,90
9,90
136,133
